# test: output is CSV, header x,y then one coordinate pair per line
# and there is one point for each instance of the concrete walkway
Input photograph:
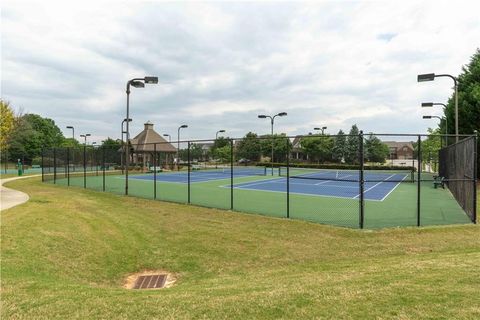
x,y
10,198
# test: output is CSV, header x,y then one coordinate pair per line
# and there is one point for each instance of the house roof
x,y
145,141
399,145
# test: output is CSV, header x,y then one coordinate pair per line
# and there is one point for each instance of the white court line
x,y
365,191
398,183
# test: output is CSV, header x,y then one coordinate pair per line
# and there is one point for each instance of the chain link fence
x,y
356,181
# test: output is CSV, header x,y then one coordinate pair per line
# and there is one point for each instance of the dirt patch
x,y
132,278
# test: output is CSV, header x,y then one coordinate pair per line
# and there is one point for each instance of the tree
x,y
249,147
7,122
223,153
318,147
375,150
219,144
339,147
352,146
280,143
468,101
31,134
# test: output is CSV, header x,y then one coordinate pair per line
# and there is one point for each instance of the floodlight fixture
x,y
427,104
138,84
151,80
262,116
426,77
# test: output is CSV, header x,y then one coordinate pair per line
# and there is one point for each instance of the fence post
x,y
43,178
68,166
103,166
84,166
188,165
231,174
288,177
361,180
54,165
475,175
154,171
419,170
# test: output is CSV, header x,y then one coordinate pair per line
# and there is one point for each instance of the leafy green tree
x,y
218,144
352,146
31,134
70,143
280,146
318,147
468,101
339,147
375,150
7,122
249,147
223,153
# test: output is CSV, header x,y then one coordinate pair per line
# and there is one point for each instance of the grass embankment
x,y
66,252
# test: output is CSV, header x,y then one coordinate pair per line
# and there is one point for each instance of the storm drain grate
x,y
153,281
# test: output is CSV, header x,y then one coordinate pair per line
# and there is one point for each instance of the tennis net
x,y
348,175
237,170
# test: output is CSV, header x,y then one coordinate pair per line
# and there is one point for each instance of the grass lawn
x,y
66,252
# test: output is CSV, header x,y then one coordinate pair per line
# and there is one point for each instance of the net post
x,y
43,178
154,171
54,165
288,177
475,175
361,181
85,166
103,167
231,174
68,166
188,167
419,171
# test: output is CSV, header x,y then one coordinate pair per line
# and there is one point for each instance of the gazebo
x,y
148,144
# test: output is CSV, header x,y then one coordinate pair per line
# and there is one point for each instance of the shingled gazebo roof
x,y
145,140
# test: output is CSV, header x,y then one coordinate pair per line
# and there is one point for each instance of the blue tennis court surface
x,y
328,188
308,184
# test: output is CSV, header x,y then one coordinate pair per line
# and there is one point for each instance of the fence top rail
x,y
413,135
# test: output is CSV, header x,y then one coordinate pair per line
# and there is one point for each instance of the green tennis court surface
x,y
399,208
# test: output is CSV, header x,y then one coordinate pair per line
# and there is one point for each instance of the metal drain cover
x,y
153,281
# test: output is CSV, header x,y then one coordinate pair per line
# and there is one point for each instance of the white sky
x,y
328,64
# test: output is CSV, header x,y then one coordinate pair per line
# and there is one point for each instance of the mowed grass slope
x,y
66,252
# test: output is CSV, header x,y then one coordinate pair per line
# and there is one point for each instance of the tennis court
x,y
347,195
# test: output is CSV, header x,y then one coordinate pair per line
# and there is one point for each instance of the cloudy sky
x,y
219,65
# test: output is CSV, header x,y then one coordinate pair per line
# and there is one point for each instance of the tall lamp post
x,y
431,104
430,77
178,144
85,137
73,131
272,121
137,83
322,128
121,138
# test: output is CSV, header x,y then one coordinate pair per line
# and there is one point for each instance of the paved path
x,y
10,198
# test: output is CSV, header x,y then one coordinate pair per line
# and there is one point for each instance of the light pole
x,y
431,77
431,104
219,131
137,83
169,137
322,128
121,144
272,121
85,137
178,144
73,131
